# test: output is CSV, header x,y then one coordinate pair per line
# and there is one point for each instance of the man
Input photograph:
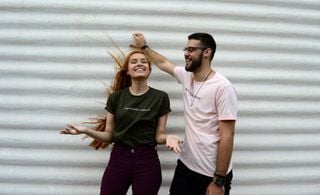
x,y
210,111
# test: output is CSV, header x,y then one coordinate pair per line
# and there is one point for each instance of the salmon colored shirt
x,y
205,103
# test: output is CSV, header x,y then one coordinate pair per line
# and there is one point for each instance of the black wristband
x,y
144,47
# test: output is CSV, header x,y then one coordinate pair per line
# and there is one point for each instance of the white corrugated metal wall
x,y
53,67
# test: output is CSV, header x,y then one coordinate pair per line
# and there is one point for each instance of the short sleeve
x,y
227,103
165,105
110,106
178,73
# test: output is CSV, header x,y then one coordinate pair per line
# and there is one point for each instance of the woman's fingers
x,y
175,148
64,131
173,143
70,129
70,126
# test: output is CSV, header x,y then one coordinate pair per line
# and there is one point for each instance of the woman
x,y
135,122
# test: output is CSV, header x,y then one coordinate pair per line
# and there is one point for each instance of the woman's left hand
x,y
173,143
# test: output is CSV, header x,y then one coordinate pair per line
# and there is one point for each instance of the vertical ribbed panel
x,y
54,67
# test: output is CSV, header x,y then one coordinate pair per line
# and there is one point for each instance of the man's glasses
x,y
192,49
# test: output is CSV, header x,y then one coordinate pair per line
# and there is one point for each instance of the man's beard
x,y
194,65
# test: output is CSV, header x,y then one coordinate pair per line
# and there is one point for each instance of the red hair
x,y
120,81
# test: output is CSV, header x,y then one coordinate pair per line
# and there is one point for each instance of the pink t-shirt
x,y
205,103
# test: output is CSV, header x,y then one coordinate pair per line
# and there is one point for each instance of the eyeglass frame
x,y
192,49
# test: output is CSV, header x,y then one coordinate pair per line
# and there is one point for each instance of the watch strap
x,y
144,47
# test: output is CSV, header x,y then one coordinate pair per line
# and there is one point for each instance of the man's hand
x,y
138,40
213,189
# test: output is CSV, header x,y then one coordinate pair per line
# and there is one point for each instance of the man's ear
x,y
208,52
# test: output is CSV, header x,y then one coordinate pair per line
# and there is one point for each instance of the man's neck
x,y
203,74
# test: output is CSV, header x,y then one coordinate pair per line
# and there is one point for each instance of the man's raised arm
x,y
159,60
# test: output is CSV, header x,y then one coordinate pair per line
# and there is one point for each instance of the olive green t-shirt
x,y
136,117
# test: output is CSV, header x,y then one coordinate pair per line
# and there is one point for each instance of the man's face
x,y
193,55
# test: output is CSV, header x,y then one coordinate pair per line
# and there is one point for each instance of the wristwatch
x,y
219,180
144,47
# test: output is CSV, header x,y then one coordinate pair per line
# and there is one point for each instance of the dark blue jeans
x,y
138,167
188,182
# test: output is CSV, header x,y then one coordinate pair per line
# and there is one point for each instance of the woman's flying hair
x,y
120,81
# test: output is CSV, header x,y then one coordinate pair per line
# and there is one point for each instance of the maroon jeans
x,y
138,167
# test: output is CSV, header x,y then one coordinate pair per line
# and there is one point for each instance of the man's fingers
x,y
137,34
133,46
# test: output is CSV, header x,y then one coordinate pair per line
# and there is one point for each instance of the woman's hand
x,y
74,129
173,143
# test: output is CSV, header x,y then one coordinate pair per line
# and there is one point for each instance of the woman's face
x,y
138,66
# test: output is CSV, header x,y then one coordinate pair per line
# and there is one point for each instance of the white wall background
x,y
54,65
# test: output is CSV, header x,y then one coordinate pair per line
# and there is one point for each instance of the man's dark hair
x,y
206,41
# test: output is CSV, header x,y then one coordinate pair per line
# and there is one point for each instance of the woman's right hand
x,y
74,129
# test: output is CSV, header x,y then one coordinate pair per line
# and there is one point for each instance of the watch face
x,y
219,181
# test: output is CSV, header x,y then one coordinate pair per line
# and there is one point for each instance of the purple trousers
x,y
138,167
